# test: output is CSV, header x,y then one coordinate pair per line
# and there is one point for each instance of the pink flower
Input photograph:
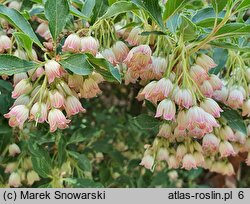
x,y
188,162
110,56
221,95
56,99
165,131
181,151
206,62
235,98
53,70
89,44
43,31
167,109
39,112
173,162
182,120
207,89
226,149
246,108
120,50
19,77
147,162
36,73
90,88
73,106
240,137
147,92
21,100
183,97
210,106
15,180
75,81
210,142
215,82
131,77
11,167
72,43
23,87
56,120
135,37
17,116
199,158
158,66
198,74
139,57
162,154
5,43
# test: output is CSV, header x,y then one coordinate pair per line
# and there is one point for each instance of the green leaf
x,y
188,29
12,65
245,4
155,32
232,46
88,7
234,120
145,121
219,5
100,8
153,8
220,57
172,7
78,64
233,29
82,183
24,41
57,12
174,23
62,154
77,13
76,138
106,69
40,158
82,161
17,20
119,7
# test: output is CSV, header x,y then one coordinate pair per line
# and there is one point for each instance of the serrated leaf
x,y
10,65
153,8
57,12
118,8
78,64
16,19
172,7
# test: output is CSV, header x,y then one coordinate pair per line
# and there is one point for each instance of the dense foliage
x,y
124,93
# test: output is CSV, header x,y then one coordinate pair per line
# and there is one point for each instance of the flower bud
x,y
10,167
165,131
226,133
43,31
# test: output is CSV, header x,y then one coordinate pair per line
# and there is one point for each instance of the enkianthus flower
x,y
75,81
223,168
210,106
39,112
89,44
11,167
63,88
210,143
226,133
235,98
147,161
173,162
199,158
188,162
73,106
43,31
221,95
21,100
206,62
14,150
36,73
23,87
17,116
183,97
15,180
226,149
90,87
32,177
165,131
110,56
240,137
181,151
139,58
19,77
167,109
120,50
56,99
72,43
21,54
207,89
53,70
5,43
135,37
158,66
198,74
246,108
215,82
56,120
162,154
